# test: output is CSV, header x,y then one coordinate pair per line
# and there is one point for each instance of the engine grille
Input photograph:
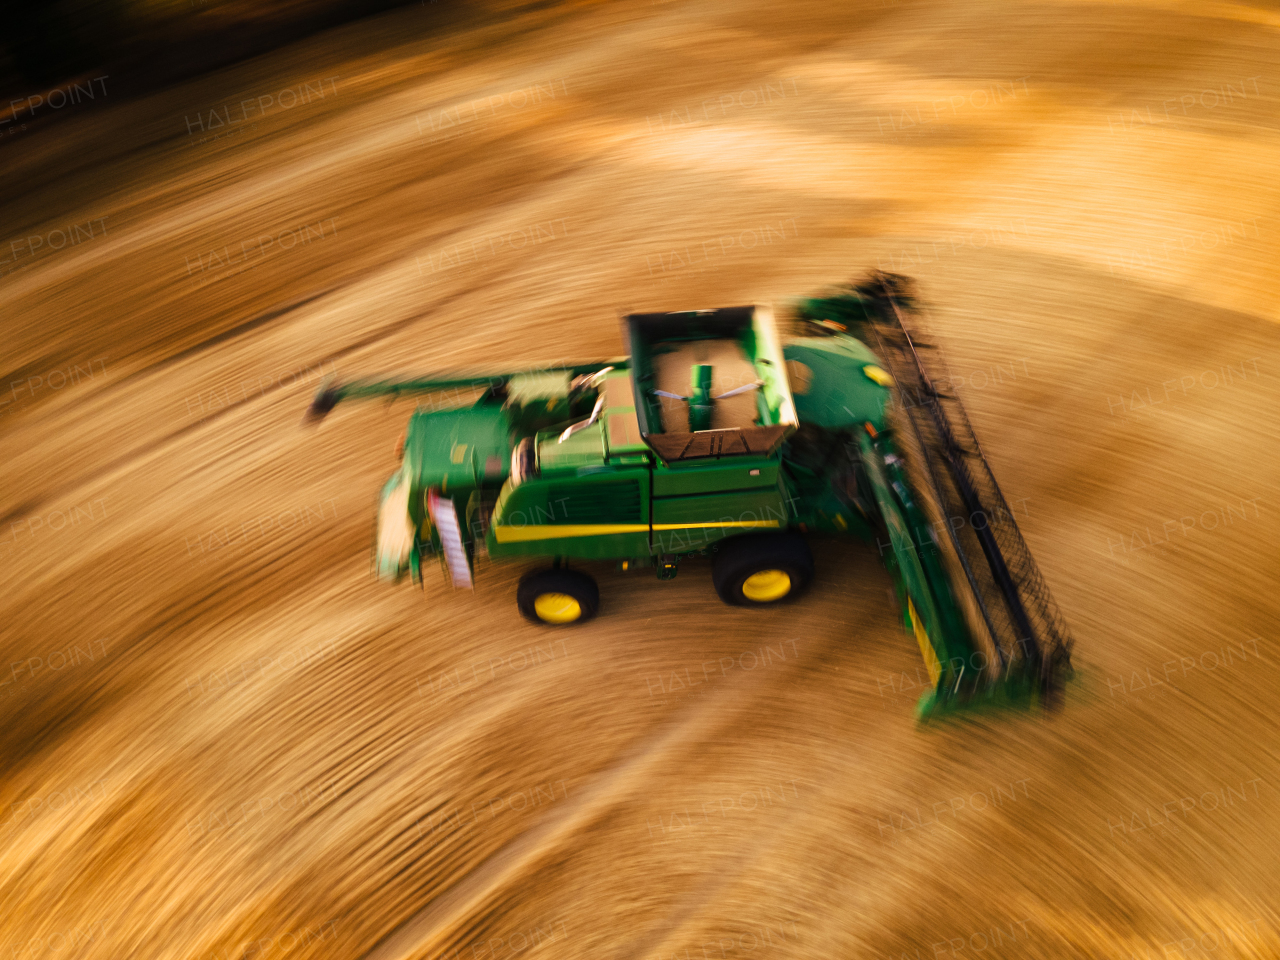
x,y
605,502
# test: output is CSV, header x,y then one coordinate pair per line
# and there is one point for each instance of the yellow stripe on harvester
x,y
557,531
700,526
926,648
508,534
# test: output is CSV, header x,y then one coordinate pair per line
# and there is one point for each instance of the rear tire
x,y
758,569
558,597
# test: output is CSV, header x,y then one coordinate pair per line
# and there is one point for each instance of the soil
x,y
223,737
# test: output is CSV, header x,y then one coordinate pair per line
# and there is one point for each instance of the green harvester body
x,y
606,461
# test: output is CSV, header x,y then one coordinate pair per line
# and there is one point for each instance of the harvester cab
x,y
713,438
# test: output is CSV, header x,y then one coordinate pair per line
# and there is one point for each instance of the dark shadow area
x,y
45,45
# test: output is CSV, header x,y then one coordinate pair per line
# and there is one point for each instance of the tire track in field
x,y
436,924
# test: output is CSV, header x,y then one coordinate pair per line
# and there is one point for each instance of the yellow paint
x,y
507,534
557,608
701,526
556,531
878,375
766,586
459,452
926,648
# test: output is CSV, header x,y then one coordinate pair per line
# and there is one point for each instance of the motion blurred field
x,y
223,738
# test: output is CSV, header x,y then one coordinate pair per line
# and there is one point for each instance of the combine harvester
x,y
714,437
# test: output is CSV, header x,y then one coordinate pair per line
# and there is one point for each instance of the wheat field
x,y
223,738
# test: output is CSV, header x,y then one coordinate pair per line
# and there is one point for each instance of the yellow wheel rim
x,y
766,585
557,608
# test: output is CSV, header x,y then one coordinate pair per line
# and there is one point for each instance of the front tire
x,y
759,569
558,597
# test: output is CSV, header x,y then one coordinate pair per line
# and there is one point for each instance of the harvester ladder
x,y
1020,613
445,517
